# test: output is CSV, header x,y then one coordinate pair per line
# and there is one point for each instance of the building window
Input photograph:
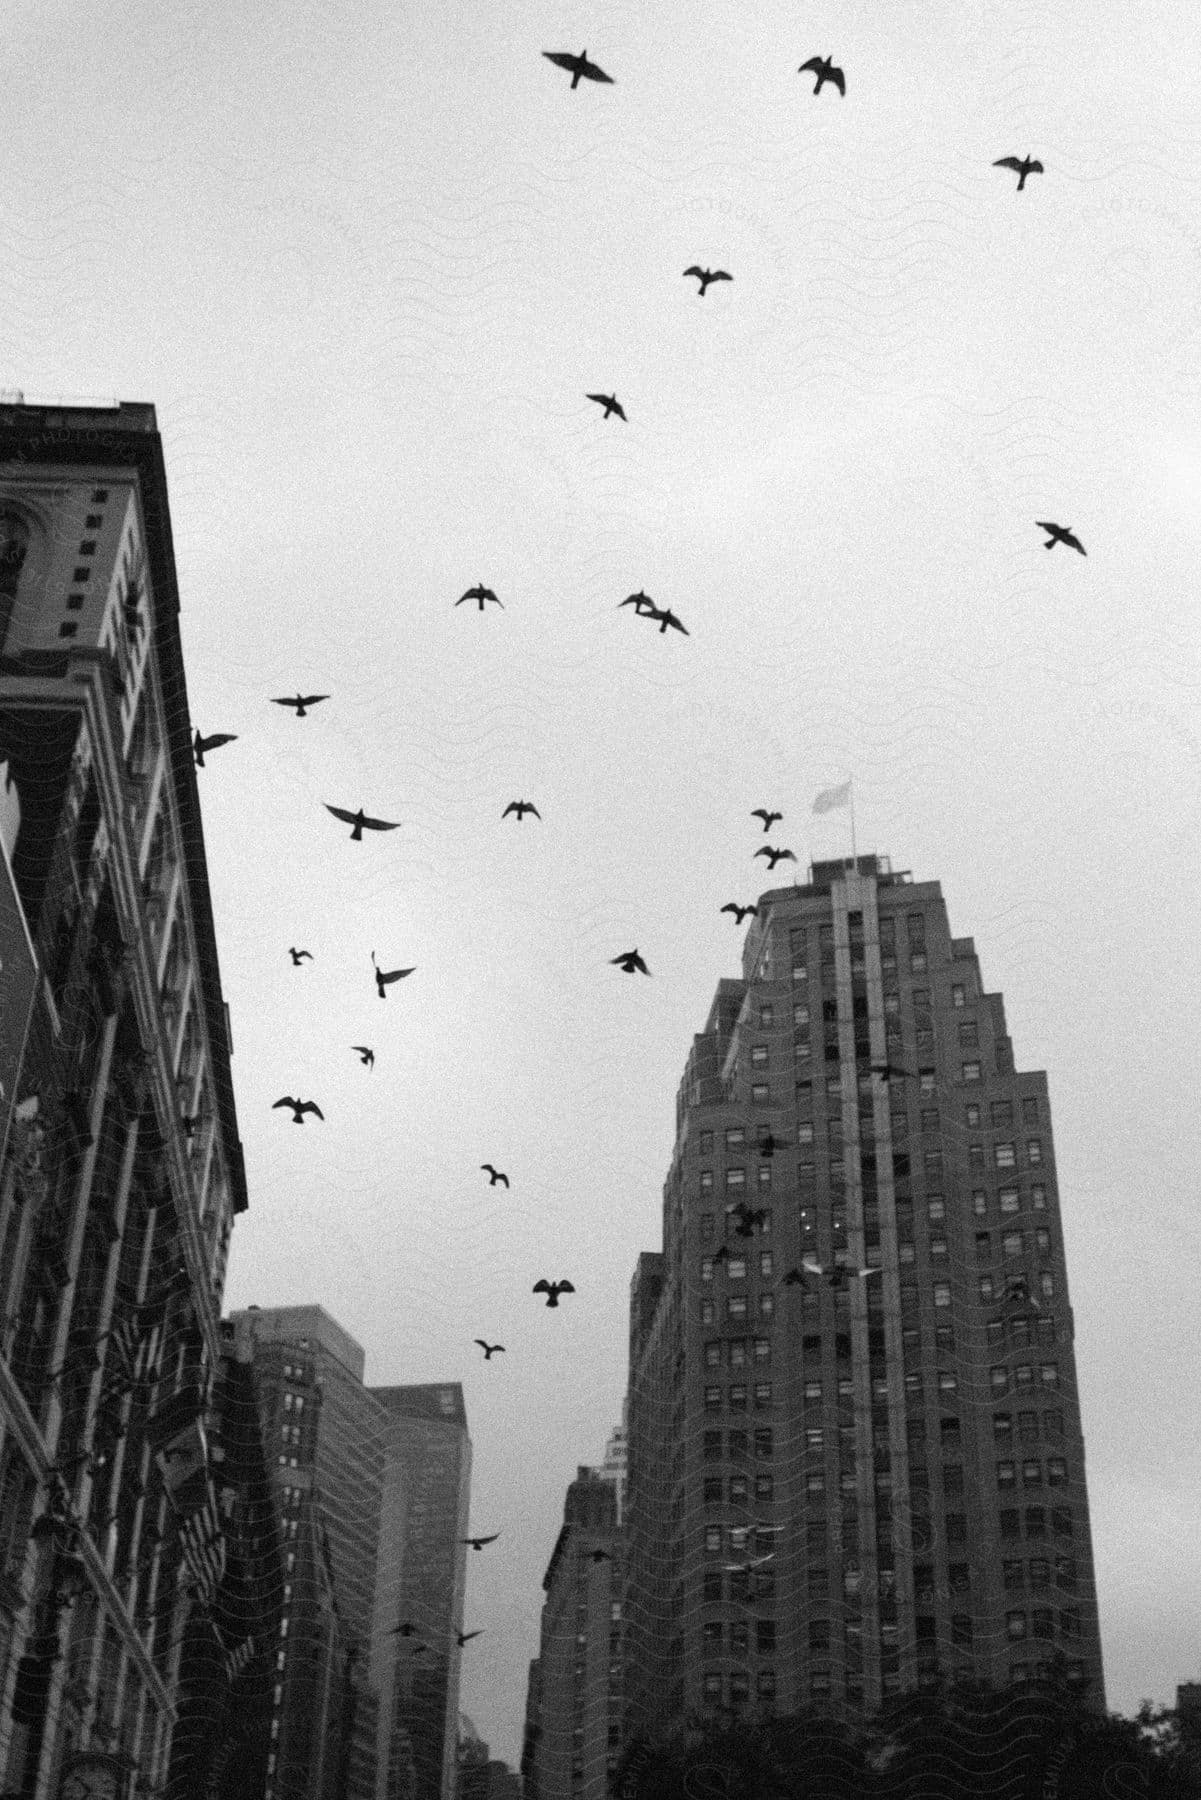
x,y
736,1268
737,1397
1004,1156
706,1143
942,1293
1057,1471
1034,1150
760,1096
706,1268
706,1182
1011,1243
971,1071
735,1137
1038,1196
712,1399
735,1178
708,1312
1010,1199
1015,1625
971,1116
1006,1474
1032,1473
759,1056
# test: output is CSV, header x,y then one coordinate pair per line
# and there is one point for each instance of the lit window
x,y
987,1288
706,1180
1004,1156
759,1055
735,1137
1015,1625
1038,1196
1050,1374
971,1071
736,1306
979,1202
736,1268
813,1390
1057,1471
765,1262
1006,1474
1034,1150
765,1015
1010,1199
972,1116
760,1096
712,1399
706,1268
1011,1243
1046,1285
737,1397
942,1293
707,1312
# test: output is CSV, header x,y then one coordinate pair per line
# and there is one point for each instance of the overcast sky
x,y
367,262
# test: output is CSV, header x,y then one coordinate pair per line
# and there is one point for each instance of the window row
x,y
737,1307
737,1445
1039,1572
736,1353
718,1635
736,1180
739,1540
734,1398
1041,1623
1032,1523
735,1689
737,1585
738,1489
1032,1473
1023,1377
1029,1425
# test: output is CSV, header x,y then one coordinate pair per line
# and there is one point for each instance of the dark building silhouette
x,y
842,1485
122,1172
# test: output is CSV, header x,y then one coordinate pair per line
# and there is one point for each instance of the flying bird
x,y
521,808
642,603
299,956
1060,534
201,744
465,1637
599,1556
578,66
749,1217
769,1144
775,856
360,821
366,1056
481,594
478,1543
405,1630
494,1175
552,1290
301,702
751,1564
1023,167
385,978
887,1071
835,1273
721,1254
705,276
629,961
666,617
610,403
299,1108
488,1349
769,818
740,912
823,68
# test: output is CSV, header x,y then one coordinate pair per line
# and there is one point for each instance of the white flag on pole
x,y
829,798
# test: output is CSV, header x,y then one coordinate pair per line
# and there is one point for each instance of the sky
x,y
367,263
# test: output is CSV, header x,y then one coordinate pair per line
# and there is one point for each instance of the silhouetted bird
x,y
521,808
888,1071
578,66
666,617
1060,534
721,1254
488,1349
482,594
301,702
705,276
299,956
629,961
749,1217
775,856
835,1273
823,68
465,1637
405,1630
366,1056
552,1290
610,403
751,1564
642,603
360,821
769,818
478,1543
299,1108
201,744
1024,167
385,978
769,1144
599,1556
740,912
494,1175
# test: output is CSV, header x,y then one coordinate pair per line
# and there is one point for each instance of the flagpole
x,y
854,853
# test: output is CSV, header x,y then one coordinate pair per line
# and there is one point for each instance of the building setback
x,y
431,1455
574,1703
844,1484
122,1171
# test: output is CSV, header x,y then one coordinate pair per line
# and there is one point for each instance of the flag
x,y
829,798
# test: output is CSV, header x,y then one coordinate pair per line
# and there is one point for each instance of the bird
x,y
1060,534
366,1056
579,66
770,1143
610,403
887,1070
521,808
494,1175
775,856
721,1254
419,1648
360,821
740,912
479,1542
835,1273
201,744
769,818
465,1637
299,956
481,594
749,1217
599,1556
385,978
823,68
189,1121
642,603
666,617
705,276
299,1108
1023,168
552,1290
405,1630
751,1564
301,702
628,961
488,1349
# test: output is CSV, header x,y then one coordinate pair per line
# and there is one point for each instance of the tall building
x,y
122,1171
325,1437
431,1452
574,1706
855,1453
613,1468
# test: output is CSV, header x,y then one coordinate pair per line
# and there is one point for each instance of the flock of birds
x,y
835,1275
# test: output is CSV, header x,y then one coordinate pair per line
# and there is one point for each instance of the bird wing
x,y
865,1272
814,1268
340,812
487,1540
286,1101
1046,525
511,807
1008,162
541,1287
488,1170
1036,168
311,699
311,1106
736,910
721,275
764,851
465,1637
638,963
839,80
565,1287
481,1343
814,63
534,810
694,270
562,58
593,72
670,618
297,702
380,825
786,855
218,738
364,1048
392,975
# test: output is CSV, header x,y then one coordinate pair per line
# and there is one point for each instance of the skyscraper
x,y
855,1453
122,1170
